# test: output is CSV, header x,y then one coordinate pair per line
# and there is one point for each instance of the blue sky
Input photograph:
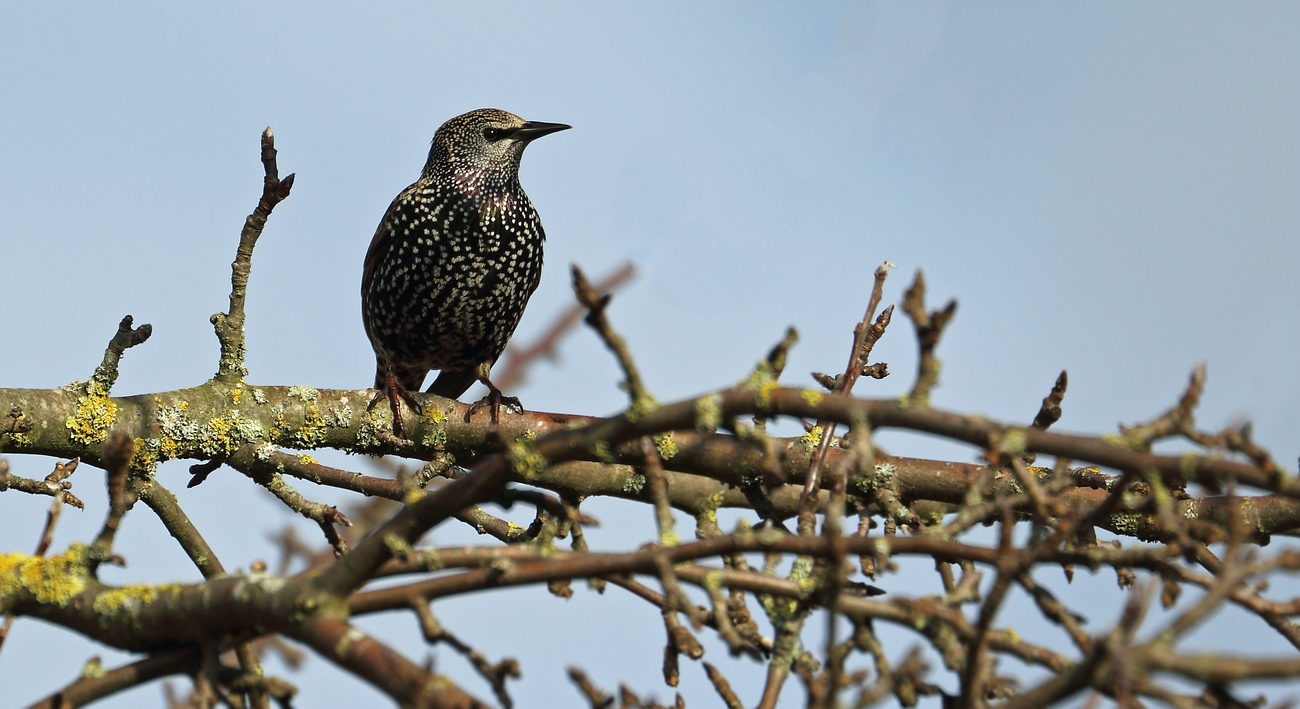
x,y
1108,188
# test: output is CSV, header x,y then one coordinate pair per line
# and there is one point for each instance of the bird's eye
x,y
492,135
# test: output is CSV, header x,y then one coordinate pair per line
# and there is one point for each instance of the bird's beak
x,y
536,129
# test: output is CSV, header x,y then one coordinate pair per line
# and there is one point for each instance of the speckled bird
x,y
454,260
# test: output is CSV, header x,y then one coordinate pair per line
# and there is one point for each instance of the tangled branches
x,y
823,521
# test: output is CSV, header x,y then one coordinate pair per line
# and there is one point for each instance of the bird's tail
x,y
451,383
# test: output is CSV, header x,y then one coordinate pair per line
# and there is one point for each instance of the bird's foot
x,y
393,391
493,402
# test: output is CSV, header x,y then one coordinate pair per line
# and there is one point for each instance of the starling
x,y
454,261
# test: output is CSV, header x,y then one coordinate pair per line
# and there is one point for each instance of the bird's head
x,y
486,139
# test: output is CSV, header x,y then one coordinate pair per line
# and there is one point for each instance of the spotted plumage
x,y
455,258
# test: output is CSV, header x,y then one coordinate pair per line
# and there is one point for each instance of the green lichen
x,y
602,452
634,483
306,394
666,445
763,399
526,461
94,414
373,429
706,517
431,560
215,437
259,397
642,406
801,572
764,373
1133,524
339,416
49,580
708,413
882,476
398,546
1014,442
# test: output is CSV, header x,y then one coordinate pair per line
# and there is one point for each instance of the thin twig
x,y
596,302
518,359
929,328
230,324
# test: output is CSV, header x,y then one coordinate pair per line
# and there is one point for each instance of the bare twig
x,y
594,695
495,673
1177,419
126,338
929,328
1050,411
117,453
518,359
230,324
595,302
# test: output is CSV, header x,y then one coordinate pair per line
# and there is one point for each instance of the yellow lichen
x,y
811,439
146,455
666,445
168,448
94,415
129,599
52,580
93,669
811,397
708,413
764,398
307,460
312,431
435,432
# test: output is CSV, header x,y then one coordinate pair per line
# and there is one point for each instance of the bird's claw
x,y
393,391
493,401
